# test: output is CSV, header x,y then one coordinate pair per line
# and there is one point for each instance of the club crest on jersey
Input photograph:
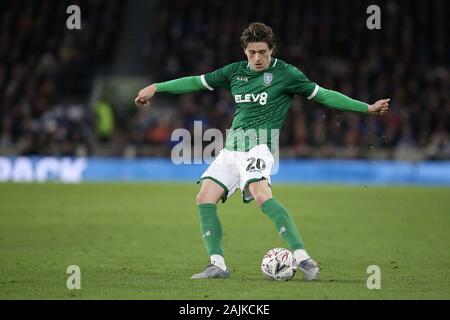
x,y
268,78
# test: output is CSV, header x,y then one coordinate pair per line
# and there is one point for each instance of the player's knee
x,y
203,197
260,191
262,197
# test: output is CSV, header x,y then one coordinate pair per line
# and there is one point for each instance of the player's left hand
x,y
380,107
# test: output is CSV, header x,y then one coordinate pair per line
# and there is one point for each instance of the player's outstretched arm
x,y
177,86
337,100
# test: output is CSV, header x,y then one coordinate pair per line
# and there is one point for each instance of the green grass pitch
x,y
142,241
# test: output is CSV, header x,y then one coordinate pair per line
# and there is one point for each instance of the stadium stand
x,y
47,72
46,81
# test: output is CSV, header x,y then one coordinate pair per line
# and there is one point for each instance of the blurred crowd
x,y
407,60
44,68
46,72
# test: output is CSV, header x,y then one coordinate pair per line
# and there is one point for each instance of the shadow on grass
x,y
339,281
257,279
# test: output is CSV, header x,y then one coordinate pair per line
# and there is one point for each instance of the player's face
x,y
258,55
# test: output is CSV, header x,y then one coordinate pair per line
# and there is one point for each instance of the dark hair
x,y
258,32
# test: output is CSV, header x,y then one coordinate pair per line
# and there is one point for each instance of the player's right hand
x,y
145,95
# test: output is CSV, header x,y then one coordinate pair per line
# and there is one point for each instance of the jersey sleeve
x,y
219,78
299,84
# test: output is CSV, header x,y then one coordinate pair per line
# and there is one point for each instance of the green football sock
x,y
283,222
211,228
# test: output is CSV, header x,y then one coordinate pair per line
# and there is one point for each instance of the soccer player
x,y
263,88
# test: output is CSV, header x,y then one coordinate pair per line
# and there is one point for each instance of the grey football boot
x,y
310,269
211,271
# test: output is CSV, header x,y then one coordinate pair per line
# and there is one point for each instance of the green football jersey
x,y
262,100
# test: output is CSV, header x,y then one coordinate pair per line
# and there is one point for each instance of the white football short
x,y
236,169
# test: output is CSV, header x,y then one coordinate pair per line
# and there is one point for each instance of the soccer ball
x,y
278,264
